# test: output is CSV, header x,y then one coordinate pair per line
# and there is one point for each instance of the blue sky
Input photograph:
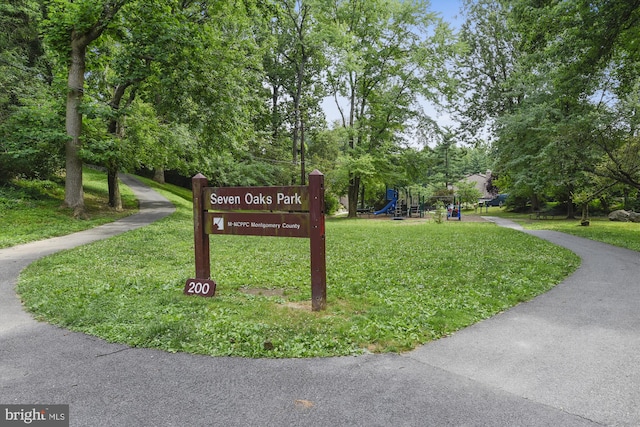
x,y
449,10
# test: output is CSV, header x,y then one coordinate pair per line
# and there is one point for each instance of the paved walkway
x,y
568,358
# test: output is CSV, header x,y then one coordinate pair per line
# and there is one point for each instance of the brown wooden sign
x,y
292,198
257,224
293,211
202,287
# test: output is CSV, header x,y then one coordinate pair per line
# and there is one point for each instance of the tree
x,y
154,37
576,55
24,68
476,159
293,63
30,117
616,133
70,28
223,101
383,60
467,192
304,53
540,80
486,66
447,162
189,69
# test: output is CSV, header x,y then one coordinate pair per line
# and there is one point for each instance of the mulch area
x,y
426,218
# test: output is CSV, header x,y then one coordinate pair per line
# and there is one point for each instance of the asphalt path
x,y
568,358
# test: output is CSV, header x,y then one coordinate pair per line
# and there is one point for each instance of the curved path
x,y
568,358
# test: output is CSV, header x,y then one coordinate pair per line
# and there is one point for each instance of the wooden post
x,y
201,239
317,241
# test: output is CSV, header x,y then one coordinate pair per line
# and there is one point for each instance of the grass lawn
x,y
30,210
391,285
623,234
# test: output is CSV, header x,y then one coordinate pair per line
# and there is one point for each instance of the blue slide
x,y
390,207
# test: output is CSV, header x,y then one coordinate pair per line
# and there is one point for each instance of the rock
x,y
624,216
619,215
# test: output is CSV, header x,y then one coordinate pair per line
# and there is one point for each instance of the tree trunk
x,y
275,122
535,202
73,193
115,201
116,128
584,220
354,187
158,175
571,213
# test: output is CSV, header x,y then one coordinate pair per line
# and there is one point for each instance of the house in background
x,y
480,180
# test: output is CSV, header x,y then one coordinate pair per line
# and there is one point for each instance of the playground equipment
x,y
392,196
453,210
399,208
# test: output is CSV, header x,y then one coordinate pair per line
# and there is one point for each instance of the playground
x,y
446,208
467,216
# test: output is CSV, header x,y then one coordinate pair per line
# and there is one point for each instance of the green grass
x,y
623,234
391,285
30,210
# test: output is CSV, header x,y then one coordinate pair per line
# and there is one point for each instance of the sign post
x,y
201,240
317,241
291,211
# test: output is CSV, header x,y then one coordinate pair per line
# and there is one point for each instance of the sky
x,y
449,11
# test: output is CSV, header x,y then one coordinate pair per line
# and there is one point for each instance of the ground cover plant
x,y
30,209
391,286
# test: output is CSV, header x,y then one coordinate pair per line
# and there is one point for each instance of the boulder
x,y
619,215
634,216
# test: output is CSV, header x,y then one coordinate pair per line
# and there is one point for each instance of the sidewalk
x,y
568,358
153,207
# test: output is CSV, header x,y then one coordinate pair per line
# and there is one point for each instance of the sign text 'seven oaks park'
x,y
291,211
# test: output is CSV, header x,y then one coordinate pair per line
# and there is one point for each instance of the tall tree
x,y
72,27
293,64
569,63
538,72
385,56
154,38
29,115
486,66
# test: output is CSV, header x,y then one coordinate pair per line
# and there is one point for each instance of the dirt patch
x,y
426,218
263,292
299,305
472,218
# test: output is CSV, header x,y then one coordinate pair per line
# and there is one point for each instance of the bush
x,y
331,204
32,143
440,213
